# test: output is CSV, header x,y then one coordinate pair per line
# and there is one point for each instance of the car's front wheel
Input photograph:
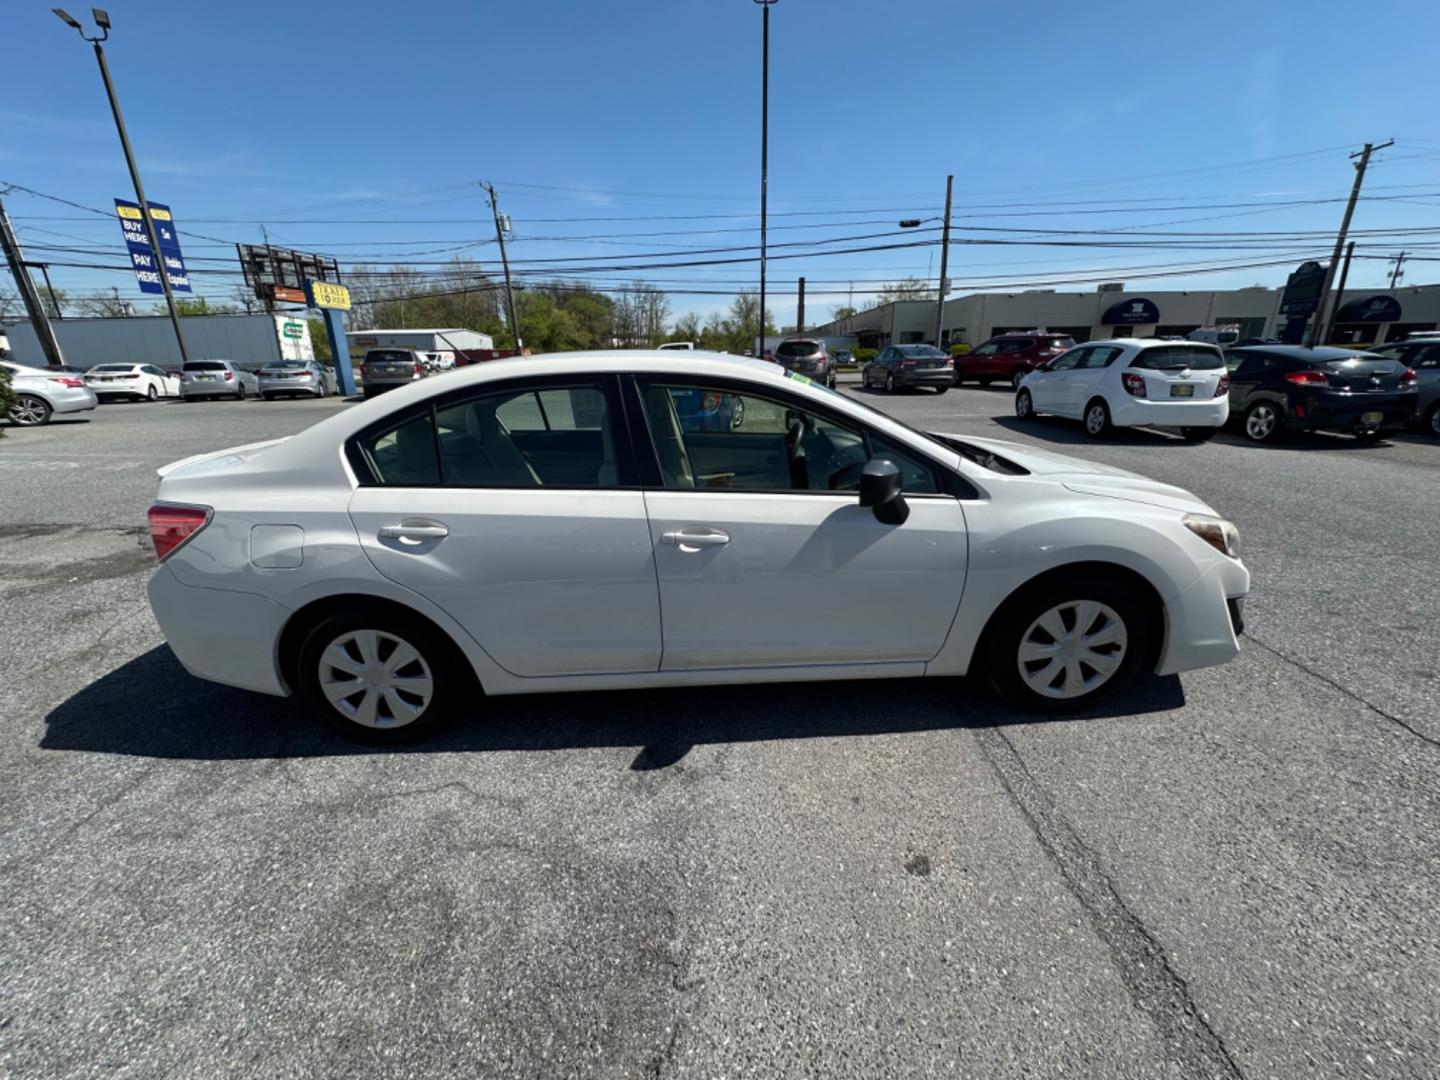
x,y
30,411
1262,421
1059,649
381,675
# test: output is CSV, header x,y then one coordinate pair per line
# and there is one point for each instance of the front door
x,y
1083,379
1048,385
517,527
765,557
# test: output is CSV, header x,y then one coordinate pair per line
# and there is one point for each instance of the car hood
x,y
217,461
1089,478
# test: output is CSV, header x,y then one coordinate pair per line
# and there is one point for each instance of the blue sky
x,y
363,136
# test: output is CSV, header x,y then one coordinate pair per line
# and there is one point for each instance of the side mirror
x,y
880,483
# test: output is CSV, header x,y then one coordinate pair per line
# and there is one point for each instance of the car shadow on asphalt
x,y
151,707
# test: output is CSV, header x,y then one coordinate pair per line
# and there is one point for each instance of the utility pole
x,y
504,262
270,259
944,260
102,20
800,310
1318,328
764,157
1344,275
26,284
54,302
1399,261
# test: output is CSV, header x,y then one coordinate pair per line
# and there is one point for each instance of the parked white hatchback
x,y
1126,382
594,521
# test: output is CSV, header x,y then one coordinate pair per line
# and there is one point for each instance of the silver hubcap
x,y
376,679
1260,423
1072,649
1095,420
28,411
889,382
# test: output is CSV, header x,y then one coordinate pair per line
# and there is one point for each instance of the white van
x,y
1225,335
688,345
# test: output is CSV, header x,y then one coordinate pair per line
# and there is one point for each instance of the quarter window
x,y
404,456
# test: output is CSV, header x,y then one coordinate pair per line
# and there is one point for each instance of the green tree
x,y
910,288
687,328
194,305
7,396
843,311
320,340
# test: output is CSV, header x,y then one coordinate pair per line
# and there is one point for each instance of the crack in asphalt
x,y
1376,709
1155,988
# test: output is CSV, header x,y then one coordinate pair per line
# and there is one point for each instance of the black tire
x,y
941,389
1017,377
1263,421
452,681
1096,419
1024,406
983,382
1432,420
1198,434
1369,436
151,395
1015,625
889,382
240,392
267,397
30,410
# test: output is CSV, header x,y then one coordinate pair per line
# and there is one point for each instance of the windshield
x,y
1178,357
205,365
113,367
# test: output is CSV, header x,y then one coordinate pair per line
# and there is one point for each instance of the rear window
x,y
285,365
922,351
113,367
389,355
204,365
797,348
1176,357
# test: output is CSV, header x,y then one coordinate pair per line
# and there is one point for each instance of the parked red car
x,y
1009,357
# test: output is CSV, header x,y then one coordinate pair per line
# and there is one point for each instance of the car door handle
x,y
695,539
414,531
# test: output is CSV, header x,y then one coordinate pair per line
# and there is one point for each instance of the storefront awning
x,y
1370,309
1131,313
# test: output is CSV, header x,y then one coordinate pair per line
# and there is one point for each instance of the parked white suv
x,y
1132,383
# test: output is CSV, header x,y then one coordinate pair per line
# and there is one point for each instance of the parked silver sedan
x,y
40,393
293,378
213,379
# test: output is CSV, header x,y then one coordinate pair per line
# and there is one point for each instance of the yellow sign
x,y
325,295
158,214
131,212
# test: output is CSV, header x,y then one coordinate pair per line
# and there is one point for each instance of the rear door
x,y
514,508
1087,379
764,555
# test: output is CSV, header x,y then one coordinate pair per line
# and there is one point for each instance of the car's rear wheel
x,y
30,411
941,389
1024,405
1432,420
1097,419
889,382
240,392
1198,434
983,382
151,393
1262,421
1062,649
382,675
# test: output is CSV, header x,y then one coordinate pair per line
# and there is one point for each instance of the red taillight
x,y
1408,377
417,369
1134,384
171,526
1306,378
949,361
72,383
229,376
1223,387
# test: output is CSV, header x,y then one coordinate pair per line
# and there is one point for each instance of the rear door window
x,y
555,436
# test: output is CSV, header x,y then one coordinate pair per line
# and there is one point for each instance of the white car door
x,y
1048,386
519,528
765,557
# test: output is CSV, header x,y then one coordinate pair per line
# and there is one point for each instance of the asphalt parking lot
x,y
1230,873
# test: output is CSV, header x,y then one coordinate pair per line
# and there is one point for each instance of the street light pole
x,y
764,158
102,20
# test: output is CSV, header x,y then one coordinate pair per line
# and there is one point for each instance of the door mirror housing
x,y
880,483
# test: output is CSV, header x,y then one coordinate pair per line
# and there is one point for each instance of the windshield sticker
x,y
800,378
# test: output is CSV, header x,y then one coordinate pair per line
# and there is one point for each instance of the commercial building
x,y
250,340
447,339
1364,316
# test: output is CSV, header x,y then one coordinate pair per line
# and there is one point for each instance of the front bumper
x,y
1203,623
1145,412
218,634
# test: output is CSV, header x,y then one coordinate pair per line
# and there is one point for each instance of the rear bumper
x,y
1346,412
216,634
209,389
1203,623
935,377
1140,412
289,386
78,399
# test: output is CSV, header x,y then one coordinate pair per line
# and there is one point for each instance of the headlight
x,y
1220,534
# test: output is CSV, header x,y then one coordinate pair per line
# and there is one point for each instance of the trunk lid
x,y
1363,375
217,461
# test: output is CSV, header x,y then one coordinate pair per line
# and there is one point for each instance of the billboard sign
x,y
1301,297
142,256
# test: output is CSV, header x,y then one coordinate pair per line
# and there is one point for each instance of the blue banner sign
x,y
142,256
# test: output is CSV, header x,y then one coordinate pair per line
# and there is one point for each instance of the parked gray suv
x,y
808,357
1422,354
385,369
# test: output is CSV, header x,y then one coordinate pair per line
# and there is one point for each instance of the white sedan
x,y
137,382
1127,382
597,521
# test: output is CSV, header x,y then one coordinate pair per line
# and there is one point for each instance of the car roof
x,y
1152,343
1304,352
